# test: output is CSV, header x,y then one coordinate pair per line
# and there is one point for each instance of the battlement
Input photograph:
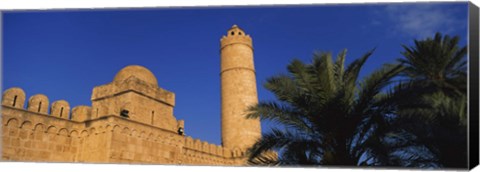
x,y
212,149
39,103
235,35
56,134
131,119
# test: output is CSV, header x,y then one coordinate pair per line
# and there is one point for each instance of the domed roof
x,y
139,72
235,30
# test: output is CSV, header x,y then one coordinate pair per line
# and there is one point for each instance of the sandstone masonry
x,y
131,119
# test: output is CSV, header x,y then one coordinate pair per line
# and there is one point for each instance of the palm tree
x,y
329,116
435,70
437,63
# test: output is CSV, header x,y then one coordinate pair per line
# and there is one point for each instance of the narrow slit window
x,y
96,114
14,101
39,106
153,116
61,112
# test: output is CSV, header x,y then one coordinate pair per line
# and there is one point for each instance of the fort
x,y
131,119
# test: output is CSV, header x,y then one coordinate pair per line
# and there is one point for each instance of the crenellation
x,y
227,152
81,113
38,103
238,90
212,149
14,97
189,142
219,150
205,147
197,144
235,35
131,119
60,109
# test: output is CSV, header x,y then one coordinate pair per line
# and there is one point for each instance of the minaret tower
x,y
239,90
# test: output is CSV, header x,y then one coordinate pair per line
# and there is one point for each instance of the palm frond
x,y
280,114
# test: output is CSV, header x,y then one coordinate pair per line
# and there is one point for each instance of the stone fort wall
x,y
44,133
131,119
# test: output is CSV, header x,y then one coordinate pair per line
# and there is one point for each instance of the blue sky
x,y
64,54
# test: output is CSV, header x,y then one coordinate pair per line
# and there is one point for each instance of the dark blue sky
x,y
64,54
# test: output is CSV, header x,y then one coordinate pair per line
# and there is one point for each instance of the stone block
x,y
8,150
44,155
51,136
68,140
19,152
31,136
73,149
5,141
120,137
50,146
38,136
132,140
36,145
131,147
59,148
29,153
13,132
66,149
5,131
127,155
75,141
137,156
23,134
114,155
27,144
15,142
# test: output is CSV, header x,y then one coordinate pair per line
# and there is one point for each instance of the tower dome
x,y
137,71
235,30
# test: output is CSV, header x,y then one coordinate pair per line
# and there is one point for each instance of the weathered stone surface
x,y
99,134
239,90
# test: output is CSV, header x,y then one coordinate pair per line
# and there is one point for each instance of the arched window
x,y
239,33
232,33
